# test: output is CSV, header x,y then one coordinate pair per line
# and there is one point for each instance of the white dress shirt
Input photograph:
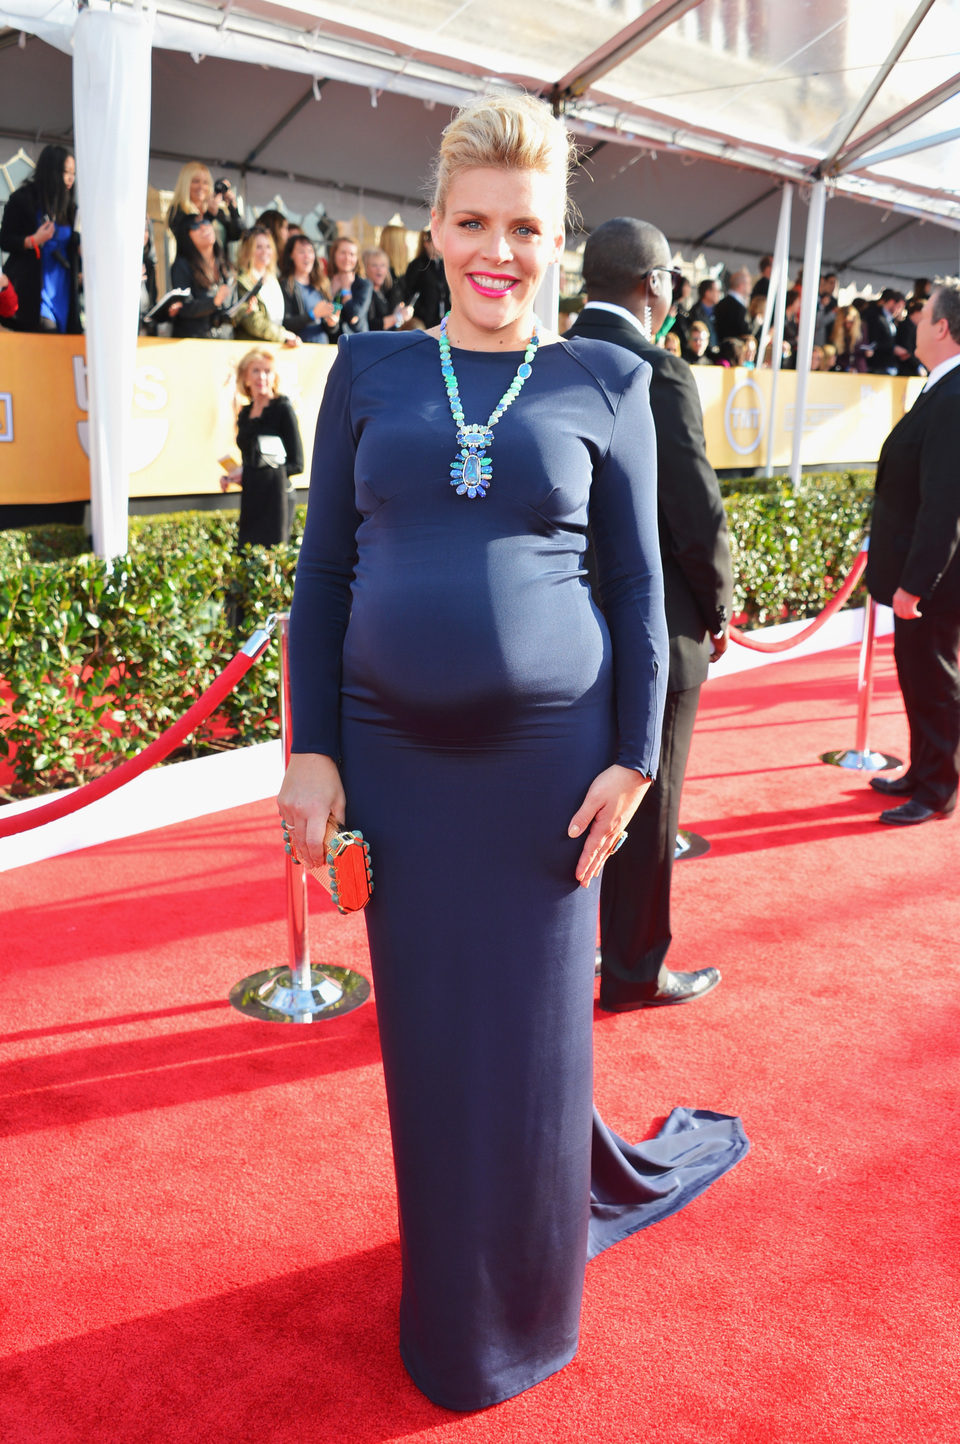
x,y
940,371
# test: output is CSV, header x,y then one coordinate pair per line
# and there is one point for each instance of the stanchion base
x,y
273,997
860,761
689,844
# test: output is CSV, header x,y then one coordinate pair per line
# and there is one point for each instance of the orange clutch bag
x,y
349,870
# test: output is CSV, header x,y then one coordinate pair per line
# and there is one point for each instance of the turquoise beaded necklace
x,y
471,470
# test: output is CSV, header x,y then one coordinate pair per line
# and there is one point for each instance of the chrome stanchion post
x,y
860,758
297,992
865,676
295,876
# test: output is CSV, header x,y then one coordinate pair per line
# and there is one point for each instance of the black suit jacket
x,y
882,336
915,533
730,316
693,524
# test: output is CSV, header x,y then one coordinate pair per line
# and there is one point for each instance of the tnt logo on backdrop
x,y
743,417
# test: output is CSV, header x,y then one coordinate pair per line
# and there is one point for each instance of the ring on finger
x,y
619,843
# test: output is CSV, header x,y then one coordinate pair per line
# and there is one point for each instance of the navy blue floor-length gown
x,y
449,652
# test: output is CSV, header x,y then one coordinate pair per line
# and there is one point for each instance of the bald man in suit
x,y
626,270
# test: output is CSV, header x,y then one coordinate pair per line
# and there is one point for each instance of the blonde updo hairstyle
x,y
516,132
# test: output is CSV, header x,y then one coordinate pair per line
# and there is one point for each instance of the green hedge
x,y
791,550
101,658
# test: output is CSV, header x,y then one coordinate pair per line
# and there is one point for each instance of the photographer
x,y
196,195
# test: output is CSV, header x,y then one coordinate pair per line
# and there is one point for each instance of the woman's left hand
x,y
611,801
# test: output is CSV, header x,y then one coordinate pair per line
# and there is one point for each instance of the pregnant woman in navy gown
x,y
459,697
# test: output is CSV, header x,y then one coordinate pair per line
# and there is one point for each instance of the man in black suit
x,y
879,320
730,314
914,566
626,270
761,287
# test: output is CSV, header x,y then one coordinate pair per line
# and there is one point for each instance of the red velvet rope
x,y
835,603
206,703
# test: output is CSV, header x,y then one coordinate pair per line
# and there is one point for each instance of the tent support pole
x,y
812,256
111,116
778,290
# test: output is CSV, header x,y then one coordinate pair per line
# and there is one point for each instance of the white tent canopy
x,y
696,129
692,113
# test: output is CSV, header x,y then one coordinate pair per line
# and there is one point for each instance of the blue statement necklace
x,y
471,470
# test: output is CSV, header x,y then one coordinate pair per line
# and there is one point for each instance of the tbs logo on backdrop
x,y
149,433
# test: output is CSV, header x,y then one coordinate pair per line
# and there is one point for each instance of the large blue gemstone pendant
x,y
472,470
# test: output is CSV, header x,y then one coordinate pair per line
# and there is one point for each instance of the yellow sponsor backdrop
x,y
184,414
845,417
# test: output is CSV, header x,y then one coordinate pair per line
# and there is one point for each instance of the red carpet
x,y
198,1229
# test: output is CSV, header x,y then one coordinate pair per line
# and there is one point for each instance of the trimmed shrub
x,y
792,550
99,658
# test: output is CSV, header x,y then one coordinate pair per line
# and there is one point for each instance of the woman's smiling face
x,y
199,189
345,257
499,232
262,253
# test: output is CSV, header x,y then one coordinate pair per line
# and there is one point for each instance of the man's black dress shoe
x,y
909,813
673,988
893,786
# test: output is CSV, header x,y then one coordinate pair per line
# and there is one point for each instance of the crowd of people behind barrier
x,y
876,335
281,285
273,283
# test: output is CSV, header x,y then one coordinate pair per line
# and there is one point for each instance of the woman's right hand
x,y
231,478
323,310
42,234
222,293
313,805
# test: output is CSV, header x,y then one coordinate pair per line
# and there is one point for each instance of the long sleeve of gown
x,y
321,602
623,522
